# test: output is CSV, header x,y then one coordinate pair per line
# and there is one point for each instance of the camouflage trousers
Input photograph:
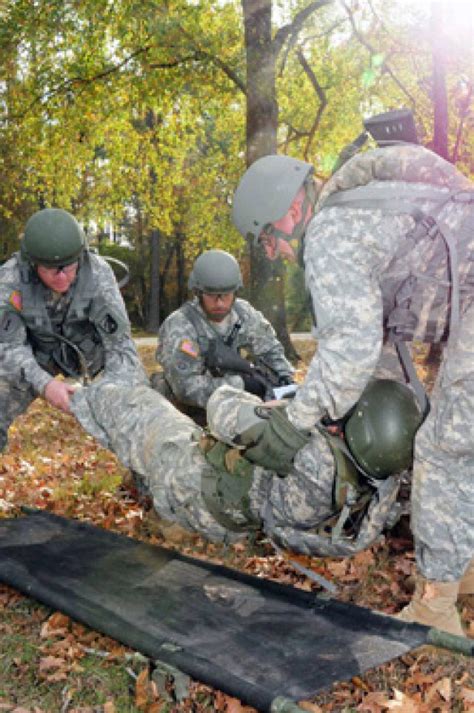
x,y
443,475
155,440
161,444
15,397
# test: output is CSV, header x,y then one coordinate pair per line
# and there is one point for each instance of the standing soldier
x,y
388,253
61,312
196,343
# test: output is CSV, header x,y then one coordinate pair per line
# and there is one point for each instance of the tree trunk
x,y
154,304
180,270
440,98
262,107
266,279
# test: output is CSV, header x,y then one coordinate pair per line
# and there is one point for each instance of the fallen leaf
x,y
443,687
156,707
50,662
357,681
142,687
402,703
467,697
374,702
310,707
233,705
338,569
363,559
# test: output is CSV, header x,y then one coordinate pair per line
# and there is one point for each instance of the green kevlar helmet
x,y
214,272
266,192
381,430
53,237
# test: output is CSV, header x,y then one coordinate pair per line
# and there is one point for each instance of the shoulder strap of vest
x,y
26,271
196,319
230,339
241,314
401,201
367,197
34,311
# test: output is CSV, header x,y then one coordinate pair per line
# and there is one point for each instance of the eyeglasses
x,y
67,269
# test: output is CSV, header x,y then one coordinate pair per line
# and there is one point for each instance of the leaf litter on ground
x,y
47,661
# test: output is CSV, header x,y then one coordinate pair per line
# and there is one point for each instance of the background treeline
x,y
139,116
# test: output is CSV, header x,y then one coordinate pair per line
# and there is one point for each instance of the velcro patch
x,y
10,324
190,348
16,301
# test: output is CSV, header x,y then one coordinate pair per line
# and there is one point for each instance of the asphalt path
x,y
151,341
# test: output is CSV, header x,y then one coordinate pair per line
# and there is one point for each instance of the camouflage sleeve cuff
x,y
39,381
301,417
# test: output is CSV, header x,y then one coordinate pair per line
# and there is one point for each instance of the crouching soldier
x,y
200,345
61,313
333,499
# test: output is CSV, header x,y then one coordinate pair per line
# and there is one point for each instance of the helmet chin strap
x,y
310,198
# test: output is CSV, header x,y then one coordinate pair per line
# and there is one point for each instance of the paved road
x,y
151,341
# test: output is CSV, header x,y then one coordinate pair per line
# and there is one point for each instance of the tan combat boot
x,y
434,604
466,585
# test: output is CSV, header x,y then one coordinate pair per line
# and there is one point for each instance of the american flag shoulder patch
x,y
190,348
15,300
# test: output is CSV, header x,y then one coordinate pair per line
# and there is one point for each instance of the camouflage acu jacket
x,y
368,270
91,315
183,341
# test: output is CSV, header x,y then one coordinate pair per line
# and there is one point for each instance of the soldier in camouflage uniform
x,y
389,257
210,484
187,337
61,312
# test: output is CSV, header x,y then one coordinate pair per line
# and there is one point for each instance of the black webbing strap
x,y
427,225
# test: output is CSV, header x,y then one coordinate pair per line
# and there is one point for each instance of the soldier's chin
x,y
217,316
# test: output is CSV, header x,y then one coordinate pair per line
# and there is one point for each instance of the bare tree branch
x,y
292,29
322,100
319,36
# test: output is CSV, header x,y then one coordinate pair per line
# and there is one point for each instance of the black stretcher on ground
x,y
251,638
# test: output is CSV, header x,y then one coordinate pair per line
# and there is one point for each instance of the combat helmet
x,y
53,237
381,429
215,271
266,192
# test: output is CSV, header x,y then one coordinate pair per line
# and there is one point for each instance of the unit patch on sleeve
x,y
190,348
15,300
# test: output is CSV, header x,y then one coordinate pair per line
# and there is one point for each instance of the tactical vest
x,y
428,302
82,325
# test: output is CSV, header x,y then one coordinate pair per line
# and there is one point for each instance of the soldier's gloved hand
x,y
253,385
274,442
211,358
